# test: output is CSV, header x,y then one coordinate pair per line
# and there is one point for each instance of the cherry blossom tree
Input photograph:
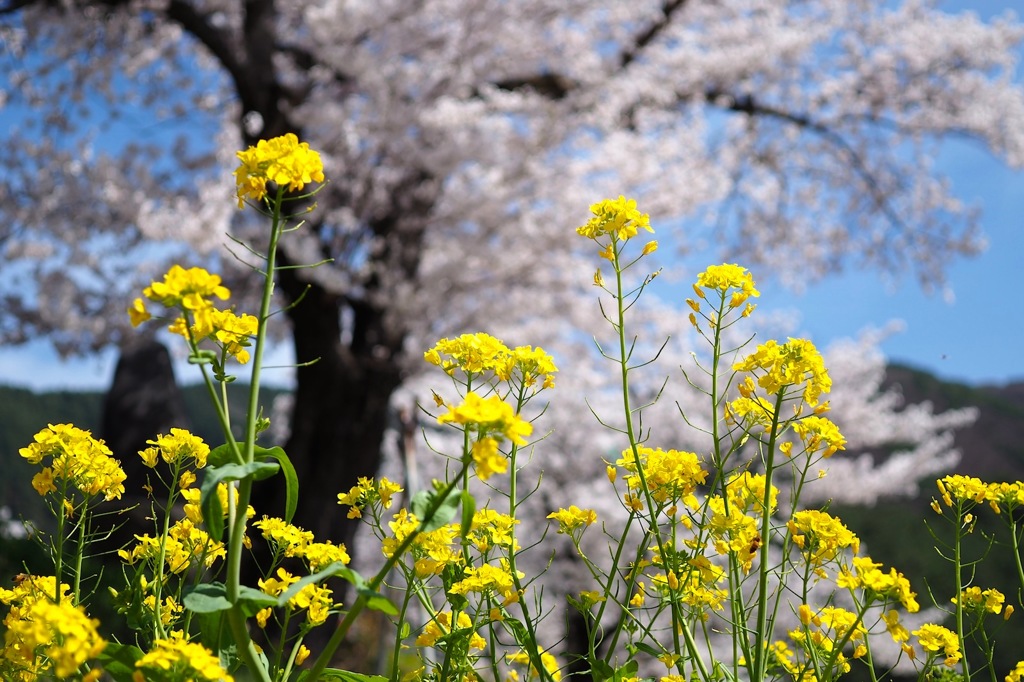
x,y
463,141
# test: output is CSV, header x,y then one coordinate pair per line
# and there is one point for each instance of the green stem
x,y
757,672
678,623
957,558
531,646
79,552
1015,545
58,561
237,520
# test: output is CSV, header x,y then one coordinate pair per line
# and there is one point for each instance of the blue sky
x,y
973,336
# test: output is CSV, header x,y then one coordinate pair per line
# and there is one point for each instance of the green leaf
x,y
209,501
221,455
252,600
207,598
425,499
202,357
291,479
118,660
601,670
351,576
468,510
297,586
647,649
376,601
627,671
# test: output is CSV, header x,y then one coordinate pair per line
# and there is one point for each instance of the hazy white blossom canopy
x,y
465,139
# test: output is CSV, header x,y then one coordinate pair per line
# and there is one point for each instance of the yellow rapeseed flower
x,y
726,277
472,353
487,460
819,433
616,217
671,475
179,447
441,624
282,536
282,160
182,658
51,639
490,416
821,536
975,599
790,364
189,289
877,584
549,662
572,518
75,458
936,639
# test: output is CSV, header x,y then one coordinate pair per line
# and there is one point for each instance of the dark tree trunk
x,y
340,412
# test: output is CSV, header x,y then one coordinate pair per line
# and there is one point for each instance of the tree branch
x,y
651,33
746,104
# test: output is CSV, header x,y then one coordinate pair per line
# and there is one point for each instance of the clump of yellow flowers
x,y
285,161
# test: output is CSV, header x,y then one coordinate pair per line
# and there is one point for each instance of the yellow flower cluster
x,y
1017,674
549,662
1005,496
490,419
184,547
367,491
819,433
77,459
480,353
790,364
179,447
752,411
488,578
490,528
282,160
723,279
832,626
179,658
441,624
733,530
314,599
697,586
619,218
45,638
746,491
291,541
193,497
434,550
431,551
877,584
821,536
192,292
233,332
935,639
671,475
572,518
190,289
975,599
